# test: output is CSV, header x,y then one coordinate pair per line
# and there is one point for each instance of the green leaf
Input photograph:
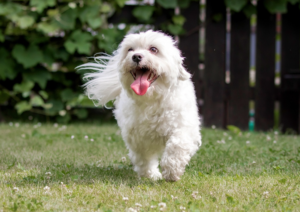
x,y
95,22
249,10
167,3
44,94
47,28
68,94
3,96
2,37
121,3
81,113
41,5
79,41
105,8
28,58
108,39
57,106
184,3
293,1
234,129
175,29
39,76
25,22
24,86
178,19
218,17
67,19
36,101
143,13
276,6
22,106
7,67
236,5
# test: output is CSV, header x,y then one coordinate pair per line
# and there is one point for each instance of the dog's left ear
x,y
183,74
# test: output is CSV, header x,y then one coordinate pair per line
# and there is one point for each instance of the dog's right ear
x,y
183,74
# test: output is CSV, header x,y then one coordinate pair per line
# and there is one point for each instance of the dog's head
x,y
149,62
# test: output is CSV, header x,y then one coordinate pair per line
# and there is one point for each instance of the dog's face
x,y
149,62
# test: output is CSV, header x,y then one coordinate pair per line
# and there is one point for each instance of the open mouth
x,y
143,78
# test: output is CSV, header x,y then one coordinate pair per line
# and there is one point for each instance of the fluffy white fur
x,y
164,123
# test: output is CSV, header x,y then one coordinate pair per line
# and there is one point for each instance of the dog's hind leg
x,y
177,154
145,166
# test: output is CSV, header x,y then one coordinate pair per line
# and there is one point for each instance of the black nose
x,y
137,58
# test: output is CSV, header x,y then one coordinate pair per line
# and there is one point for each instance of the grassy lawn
x,y
55,168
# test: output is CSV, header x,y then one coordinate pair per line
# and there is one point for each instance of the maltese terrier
x,y
155,102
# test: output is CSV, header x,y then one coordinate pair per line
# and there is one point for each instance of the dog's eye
x,y
131,49
153,50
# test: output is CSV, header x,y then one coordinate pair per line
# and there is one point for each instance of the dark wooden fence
x,y
228,104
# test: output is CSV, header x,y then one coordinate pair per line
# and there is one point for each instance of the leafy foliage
x,y
43,41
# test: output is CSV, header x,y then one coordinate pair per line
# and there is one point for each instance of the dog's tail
x,y
103,85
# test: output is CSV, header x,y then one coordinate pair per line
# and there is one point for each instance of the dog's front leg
x,y
176,156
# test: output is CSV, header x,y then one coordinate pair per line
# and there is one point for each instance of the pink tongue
x,y
141,83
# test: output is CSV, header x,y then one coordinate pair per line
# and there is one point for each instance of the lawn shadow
x,y
116,174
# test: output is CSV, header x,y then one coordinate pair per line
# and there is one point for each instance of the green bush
x,y
42,41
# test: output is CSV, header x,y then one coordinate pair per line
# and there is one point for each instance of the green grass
x,y
86,175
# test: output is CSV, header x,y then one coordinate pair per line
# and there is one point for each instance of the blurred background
x,y
244,56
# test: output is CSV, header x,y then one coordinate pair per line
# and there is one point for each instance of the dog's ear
x,y
183,74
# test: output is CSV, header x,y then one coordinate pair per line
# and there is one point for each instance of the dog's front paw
x,y
170,176
155,175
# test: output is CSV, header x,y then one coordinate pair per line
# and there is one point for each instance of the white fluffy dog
x,y
155,103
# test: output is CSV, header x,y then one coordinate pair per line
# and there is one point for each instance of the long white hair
x,y
103,85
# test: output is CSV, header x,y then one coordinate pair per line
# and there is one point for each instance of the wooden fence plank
x,y
189,43
214,73
265,69
239,71
290,56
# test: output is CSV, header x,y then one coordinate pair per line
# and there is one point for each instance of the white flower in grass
x,y
92,140
48,173
195,195
182,208
152,206
274,142
268,138
138,205
72,137
173,198
86,137
253,162
248,142
123,159
55,125
125,199
225,134
16,189
17,124
109,138
229,138
47,188
221,142
11,124
98,163
132,210
213,127
162,206
266,194
23,135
